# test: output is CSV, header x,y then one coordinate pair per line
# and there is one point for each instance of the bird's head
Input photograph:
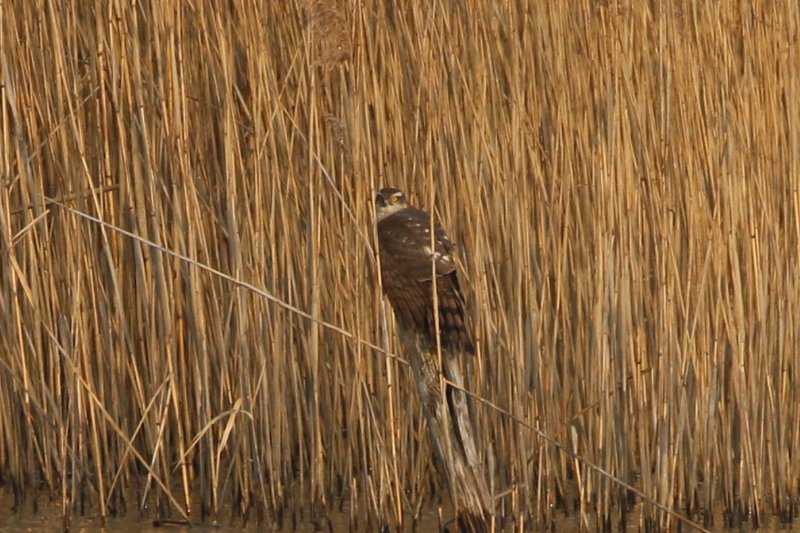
x,y
389,201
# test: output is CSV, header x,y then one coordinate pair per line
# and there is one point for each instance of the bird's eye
x,y
393,199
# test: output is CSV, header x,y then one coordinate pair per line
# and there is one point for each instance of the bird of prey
x,y
408,255
410,261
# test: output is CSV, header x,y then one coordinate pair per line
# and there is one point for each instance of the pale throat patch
x,y
389,210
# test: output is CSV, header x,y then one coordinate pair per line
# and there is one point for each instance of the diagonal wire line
x,y
573,454
243,284
333,327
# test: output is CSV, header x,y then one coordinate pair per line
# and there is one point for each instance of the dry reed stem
x,y
622,179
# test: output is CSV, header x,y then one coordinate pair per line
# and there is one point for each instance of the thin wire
x,y
243,284
577,457
350,335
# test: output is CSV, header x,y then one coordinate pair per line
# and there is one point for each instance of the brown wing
x,y
406,257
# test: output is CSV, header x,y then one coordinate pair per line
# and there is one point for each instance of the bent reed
x,y
622,180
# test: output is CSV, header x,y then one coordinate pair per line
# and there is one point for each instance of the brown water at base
x,y
48,518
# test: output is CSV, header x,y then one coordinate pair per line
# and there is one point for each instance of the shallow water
x,y
48,518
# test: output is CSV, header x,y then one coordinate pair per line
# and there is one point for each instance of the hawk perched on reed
x,y
407,259
410,262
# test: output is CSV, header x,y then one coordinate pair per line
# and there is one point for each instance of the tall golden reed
x,y
623,179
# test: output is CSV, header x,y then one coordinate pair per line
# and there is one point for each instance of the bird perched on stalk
x,y
411,260
408,256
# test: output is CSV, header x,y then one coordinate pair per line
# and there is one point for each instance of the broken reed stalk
x,y
451,430
622,179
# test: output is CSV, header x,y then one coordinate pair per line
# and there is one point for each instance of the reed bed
x,y
623,179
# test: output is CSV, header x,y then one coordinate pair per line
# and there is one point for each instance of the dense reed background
x,y
623,179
